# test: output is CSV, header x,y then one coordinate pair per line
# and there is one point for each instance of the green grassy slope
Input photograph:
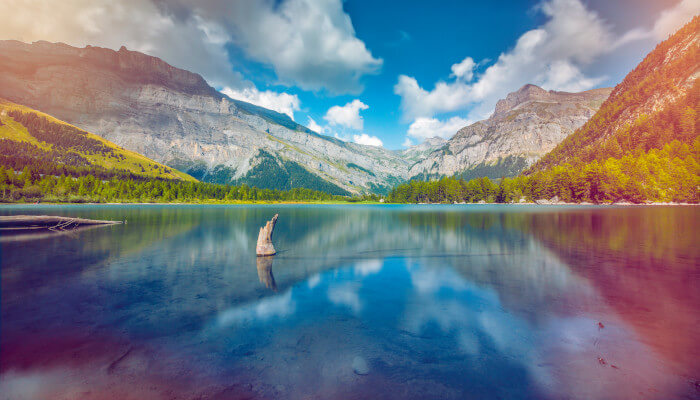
x,y
655,104
40,141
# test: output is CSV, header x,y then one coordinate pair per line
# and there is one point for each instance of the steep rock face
x,y
173,116
524,126
421,151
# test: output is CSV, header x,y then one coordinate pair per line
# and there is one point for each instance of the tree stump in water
x,y
265,247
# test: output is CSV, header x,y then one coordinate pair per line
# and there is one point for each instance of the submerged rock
x,y
359,366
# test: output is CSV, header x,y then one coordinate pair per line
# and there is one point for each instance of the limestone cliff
x,y
524,126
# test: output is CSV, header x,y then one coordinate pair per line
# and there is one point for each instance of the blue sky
x,y
424,39
389,72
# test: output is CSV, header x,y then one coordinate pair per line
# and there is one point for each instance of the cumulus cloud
x,y
344,122
417,102
364,138
347,115
464,70
314,126
309,43
553,56
284,103
426,128
550,56
674,18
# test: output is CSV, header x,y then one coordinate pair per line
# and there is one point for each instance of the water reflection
x,y
264,266
388,302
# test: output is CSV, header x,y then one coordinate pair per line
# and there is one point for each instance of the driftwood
x,y
32,227
46,222
264,246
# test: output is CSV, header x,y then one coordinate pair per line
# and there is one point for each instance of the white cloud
x,y
194,44
284,103
550,56
345,295
464,70
426,128
314,126
675,17
270,307
368,267
407,142
364,138
309,43
347,115
417,102
341,137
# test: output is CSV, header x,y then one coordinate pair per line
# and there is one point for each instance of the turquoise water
x,y
396,302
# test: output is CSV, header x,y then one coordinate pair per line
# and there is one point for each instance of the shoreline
x,y
541,203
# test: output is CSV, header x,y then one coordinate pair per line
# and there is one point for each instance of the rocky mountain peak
x,y
525,125
526,93
436,141
130,66
173,116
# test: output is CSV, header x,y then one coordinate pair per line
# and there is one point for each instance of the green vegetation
x,y
29,138
32,186
359,168
656,157
508,166
669,174
604,136
270,174
61,163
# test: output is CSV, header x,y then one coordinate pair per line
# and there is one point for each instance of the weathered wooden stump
x,y
265,247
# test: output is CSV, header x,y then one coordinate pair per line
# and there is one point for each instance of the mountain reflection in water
x,y
381,302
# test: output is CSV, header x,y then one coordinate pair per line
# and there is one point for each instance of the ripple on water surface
x,y
360,302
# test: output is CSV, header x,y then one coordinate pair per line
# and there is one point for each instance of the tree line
x,y
29,185
669,174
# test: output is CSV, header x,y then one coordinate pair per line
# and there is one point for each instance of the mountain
x,y
174,117
643,144
29,138
656,104
524,126
421,151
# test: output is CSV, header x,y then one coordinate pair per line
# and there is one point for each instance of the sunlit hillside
x,y
29,138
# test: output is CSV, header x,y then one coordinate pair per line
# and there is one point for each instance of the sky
x,y
383,73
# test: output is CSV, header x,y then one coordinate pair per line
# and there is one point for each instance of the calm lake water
x,y
381,302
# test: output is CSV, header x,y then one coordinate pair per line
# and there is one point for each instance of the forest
x,y
29,185
654,157
669,174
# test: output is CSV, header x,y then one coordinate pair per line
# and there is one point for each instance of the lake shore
x,y
527,203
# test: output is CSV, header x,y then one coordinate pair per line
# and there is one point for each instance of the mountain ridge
x,y
523,127
663,78
30,138
175,117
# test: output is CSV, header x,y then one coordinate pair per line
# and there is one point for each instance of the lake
x,y
381,302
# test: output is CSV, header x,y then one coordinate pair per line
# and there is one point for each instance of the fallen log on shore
x,y
15,223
